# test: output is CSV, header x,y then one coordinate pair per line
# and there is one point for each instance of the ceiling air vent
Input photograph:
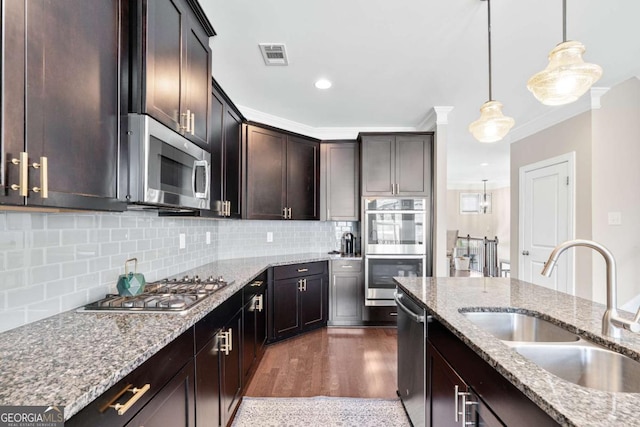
x,y
273,54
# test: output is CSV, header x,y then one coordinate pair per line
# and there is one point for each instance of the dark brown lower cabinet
x,y
452,402
230,369
254,332
298,299
460,382
219,363
174,405
166,379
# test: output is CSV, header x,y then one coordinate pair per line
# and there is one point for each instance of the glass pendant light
x,y
492,125
567,77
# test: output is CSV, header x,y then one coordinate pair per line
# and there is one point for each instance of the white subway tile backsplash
x,y
13,317
25,295
44,274
73,269
59,287
61,221
56,262
74,237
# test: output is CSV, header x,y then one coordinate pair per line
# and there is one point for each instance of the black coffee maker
x,y
349,243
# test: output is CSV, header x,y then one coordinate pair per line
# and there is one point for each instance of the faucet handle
x,y
634,327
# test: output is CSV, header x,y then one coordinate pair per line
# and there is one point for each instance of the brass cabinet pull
x,y
44,177
284,213
23,162
302,270
257,283
289,211
137,394
347,266
193,122
230,340
259,303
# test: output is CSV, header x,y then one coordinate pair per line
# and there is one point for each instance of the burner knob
x,y
196,279
220,279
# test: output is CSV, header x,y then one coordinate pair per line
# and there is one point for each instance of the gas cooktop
x,y
176,295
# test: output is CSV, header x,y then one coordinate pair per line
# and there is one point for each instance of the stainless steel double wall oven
x,y
396,242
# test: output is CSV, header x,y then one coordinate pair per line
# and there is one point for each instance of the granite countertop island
x,y
73,357
567,403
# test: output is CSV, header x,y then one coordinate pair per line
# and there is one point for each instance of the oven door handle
x,y
196,165
419,318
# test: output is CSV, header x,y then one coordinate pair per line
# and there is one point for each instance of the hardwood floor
x,y
345,362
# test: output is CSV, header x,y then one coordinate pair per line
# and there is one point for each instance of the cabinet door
x,y
13,111
72,101
413,165
217,150
174,405
286,320
231,370
303,177
208,385
261,325
233,161
442,401
313,302
249,341
346,298
197,83
266,174
342,181
166,23
378,161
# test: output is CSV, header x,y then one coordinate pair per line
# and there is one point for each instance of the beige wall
x,y
572,135
490,225
616,187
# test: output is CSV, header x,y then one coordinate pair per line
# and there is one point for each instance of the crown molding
x,y
552,117
596,94
322,133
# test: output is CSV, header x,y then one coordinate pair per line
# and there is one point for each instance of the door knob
x,y
525,253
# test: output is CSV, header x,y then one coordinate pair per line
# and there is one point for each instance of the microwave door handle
x,y
196,165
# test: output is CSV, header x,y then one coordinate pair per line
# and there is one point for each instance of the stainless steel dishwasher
x,y
412,338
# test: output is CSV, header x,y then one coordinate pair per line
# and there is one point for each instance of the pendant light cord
x,y
489,39
564,21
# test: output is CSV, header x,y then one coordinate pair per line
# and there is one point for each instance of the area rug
x,y
320,411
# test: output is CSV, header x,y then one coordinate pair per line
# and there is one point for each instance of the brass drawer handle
x,y
302,270
347,266
22,187
137,394
257,283
44,177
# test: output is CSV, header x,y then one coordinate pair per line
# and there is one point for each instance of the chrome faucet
x,y
611,321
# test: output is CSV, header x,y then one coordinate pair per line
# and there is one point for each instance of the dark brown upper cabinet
x,y
340,181
61,104
226,156
396,165
283,175
171,66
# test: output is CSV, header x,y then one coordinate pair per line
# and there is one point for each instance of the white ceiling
x,y
392,61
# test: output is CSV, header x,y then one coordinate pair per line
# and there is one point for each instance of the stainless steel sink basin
x,y
519,327
586,365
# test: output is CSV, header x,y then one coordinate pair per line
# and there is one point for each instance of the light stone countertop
x,y
72,358
567,403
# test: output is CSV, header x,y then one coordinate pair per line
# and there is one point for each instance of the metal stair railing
x,y
482,253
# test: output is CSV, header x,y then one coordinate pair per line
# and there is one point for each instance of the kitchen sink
x,y
519,327
586,365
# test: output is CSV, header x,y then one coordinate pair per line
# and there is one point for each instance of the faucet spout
x,y
611,321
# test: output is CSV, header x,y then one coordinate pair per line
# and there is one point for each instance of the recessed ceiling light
x,y
323,84
484,164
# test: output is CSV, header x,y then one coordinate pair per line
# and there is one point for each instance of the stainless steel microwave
x,y
165,168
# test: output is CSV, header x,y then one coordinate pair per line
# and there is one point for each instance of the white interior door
x,y
546,220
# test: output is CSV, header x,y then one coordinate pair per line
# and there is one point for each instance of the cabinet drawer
x,y
380,315
156,372
299,270
339,266
206,328
254,287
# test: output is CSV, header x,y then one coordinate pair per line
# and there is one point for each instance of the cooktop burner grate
x,y
166,296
